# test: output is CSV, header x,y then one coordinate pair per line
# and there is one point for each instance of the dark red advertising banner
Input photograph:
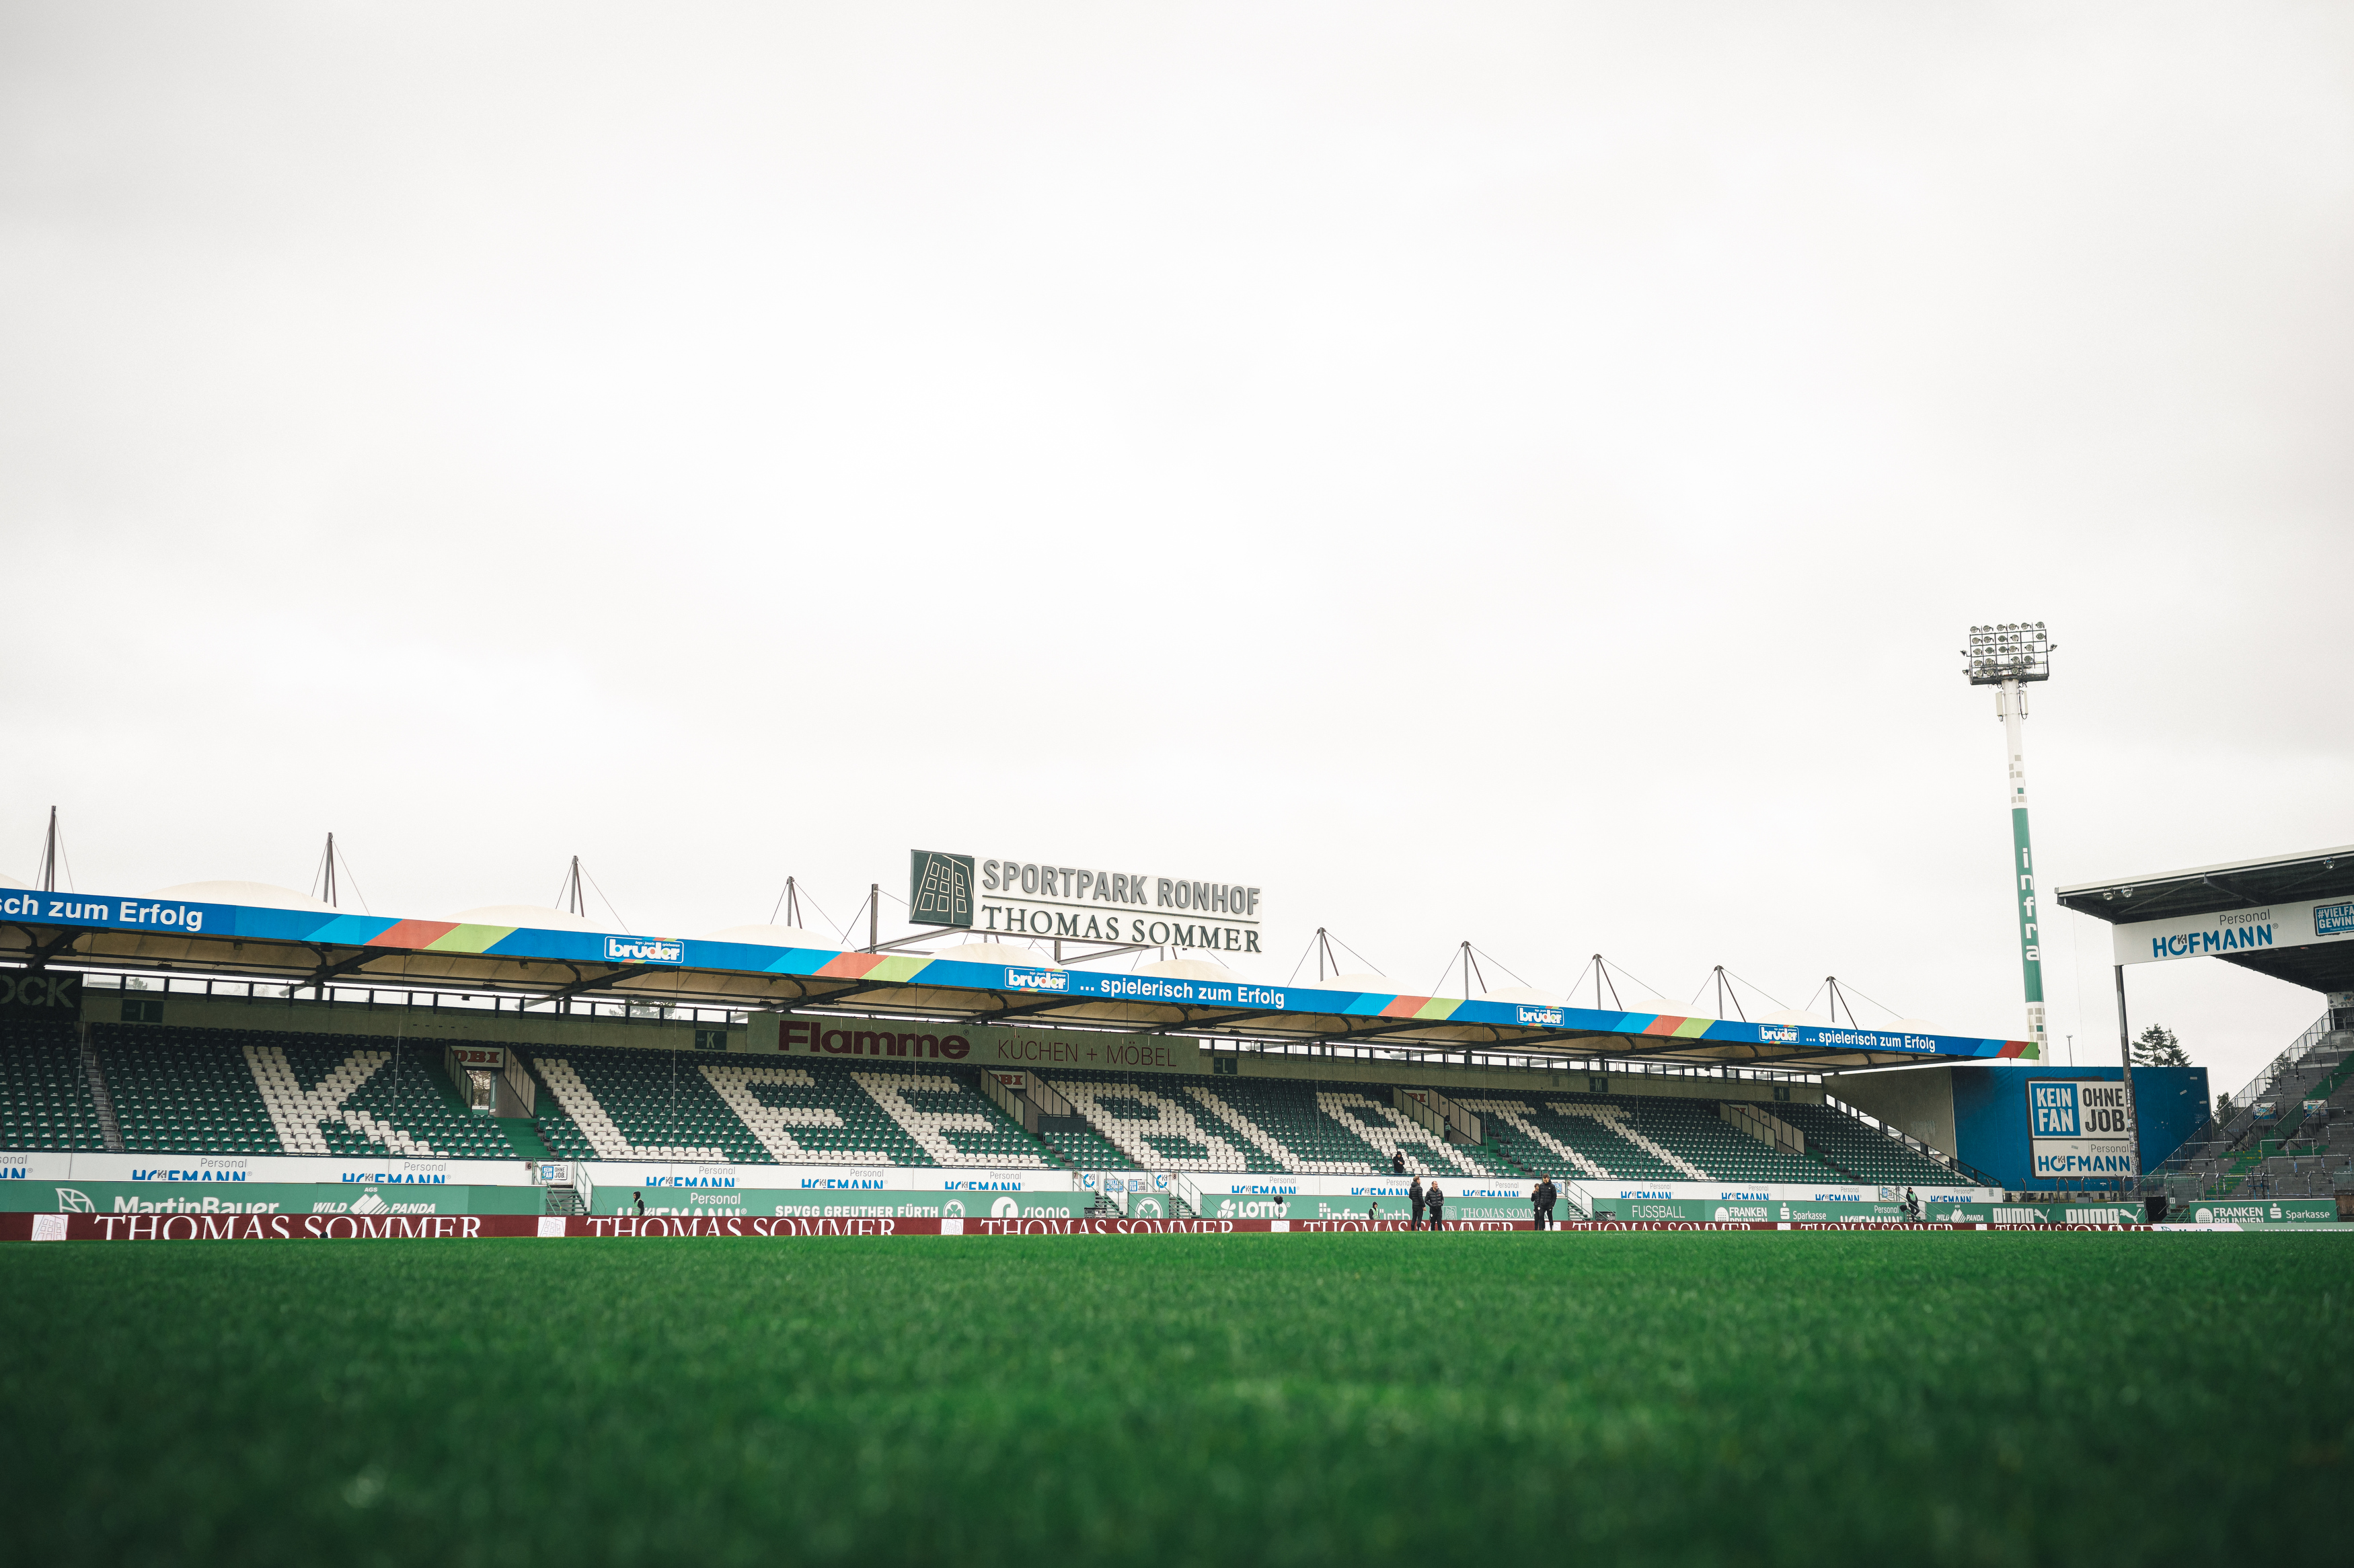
x,y
630,1227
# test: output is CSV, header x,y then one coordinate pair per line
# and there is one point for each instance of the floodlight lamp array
x,y
2014,650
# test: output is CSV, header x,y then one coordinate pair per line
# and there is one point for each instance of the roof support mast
x,y
49,877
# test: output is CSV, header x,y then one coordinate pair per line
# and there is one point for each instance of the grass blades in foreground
x,y
1769,1398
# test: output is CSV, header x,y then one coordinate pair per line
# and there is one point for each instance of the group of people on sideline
x,y
1429,1204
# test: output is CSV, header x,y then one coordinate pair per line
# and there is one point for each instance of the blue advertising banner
x,y
321,928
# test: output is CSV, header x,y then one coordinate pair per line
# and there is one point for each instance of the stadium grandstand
x,y
183,1038
263,1083
2288,1133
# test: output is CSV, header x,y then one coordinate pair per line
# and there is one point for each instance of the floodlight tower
x,y
2007,657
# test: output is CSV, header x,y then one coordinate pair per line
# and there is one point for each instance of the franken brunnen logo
x,y
940,889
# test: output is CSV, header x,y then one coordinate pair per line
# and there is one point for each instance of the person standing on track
x,y
1540,1200
1413,1200
1436,1199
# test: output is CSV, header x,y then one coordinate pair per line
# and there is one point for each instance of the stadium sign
x,y
1088,904
2235,931
982,1045
41,994
2077,1128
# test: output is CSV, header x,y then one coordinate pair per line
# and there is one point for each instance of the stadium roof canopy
x,y
312,946
2290,917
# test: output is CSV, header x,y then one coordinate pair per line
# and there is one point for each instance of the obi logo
x,y
1548,1016
1037,980
644,950
2051,1109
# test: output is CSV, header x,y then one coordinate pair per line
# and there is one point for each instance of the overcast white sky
x,y
1514,473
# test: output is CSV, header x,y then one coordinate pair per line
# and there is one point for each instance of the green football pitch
x,y
1772,1397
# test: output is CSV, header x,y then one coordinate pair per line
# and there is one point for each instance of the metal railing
x,y
2212,1142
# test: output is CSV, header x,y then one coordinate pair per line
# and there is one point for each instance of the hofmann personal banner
x,y
2233,931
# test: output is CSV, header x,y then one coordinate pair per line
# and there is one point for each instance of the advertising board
x,y
2077,1128
882,1204
2259,1211
1086,904
2288,925
223,1172
85,1197
974,1044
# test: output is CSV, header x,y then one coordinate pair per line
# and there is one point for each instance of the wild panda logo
x,y
73,1200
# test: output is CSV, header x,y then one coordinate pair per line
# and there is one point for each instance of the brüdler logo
x,y
645,950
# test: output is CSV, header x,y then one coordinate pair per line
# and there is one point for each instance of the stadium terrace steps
x,y
1859,1151
181,1089
110,1131
524,1137
44,1098
669,1105
219,1091
1082,1148
1155,1125
1285,1127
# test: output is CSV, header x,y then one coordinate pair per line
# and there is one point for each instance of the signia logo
x,y
645,950
1005,1209
73,1200
1037,980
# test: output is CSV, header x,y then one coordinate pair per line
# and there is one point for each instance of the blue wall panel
x,y
1990,1114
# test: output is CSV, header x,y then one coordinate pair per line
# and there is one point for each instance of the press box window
x,y
1232,1065
1781,1091
711,1039
1597,1085
138,1012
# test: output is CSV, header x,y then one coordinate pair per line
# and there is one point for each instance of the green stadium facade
x,y
229,1088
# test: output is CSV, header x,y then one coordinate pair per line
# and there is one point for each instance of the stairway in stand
x,y
108,1128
